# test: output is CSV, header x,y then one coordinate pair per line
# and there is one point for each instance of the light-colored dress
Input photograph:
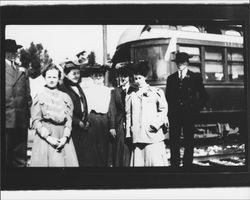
x,y
52,109
147,108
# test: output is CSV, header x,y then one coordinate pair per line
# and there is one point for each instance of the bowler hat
x,y
80,53
11,46
181,57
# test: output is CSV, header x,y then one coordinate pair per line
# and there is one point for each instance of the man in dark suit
x,y
17,105
185,95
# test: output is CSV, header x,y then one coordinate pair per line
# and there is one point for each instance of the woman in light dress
x,y
146,121
51,116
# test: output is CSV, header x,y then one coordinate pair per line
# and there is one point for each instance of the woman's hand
x,y
81,124
61,144
44,132
54,142
113,132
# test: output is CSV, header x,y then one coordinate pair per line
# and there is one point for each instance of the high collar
x,y
184,72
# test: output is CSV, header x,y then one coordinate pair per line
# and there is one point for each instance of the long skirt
x,y
121,148
44,155
149,155
80,139
97,141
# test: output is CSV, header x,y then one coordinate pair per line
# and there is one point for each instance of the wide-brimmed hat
x,y
96,68
70,65
80,53
181,57
123,69
11,46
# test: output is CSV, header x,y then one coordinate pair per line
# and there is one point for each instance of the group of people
x,y
99,126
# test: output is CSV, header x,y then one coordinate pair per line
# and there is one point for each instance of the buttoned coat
x,y
17,97
145,110
188,95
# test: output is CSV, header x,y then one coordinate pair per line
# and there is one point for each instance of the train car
x,y
219,58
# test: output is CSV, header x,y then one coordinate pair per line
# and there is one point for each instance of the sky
x,y
65,41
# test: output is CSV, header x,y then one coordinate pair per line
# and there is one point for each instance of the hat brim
x,y
80,53
189,56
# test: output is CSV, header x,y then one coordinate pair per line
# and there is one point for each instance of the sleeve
x,y
202,94
128,110
112,110
69,113
162,110
85,106
75,121
36,116
29,98
167,91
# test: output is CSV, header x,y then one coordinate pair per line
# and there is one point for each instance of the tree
x,y
35,58
91,59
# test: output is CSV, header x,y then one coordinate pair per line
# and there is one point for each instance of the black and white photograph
x,y
124,96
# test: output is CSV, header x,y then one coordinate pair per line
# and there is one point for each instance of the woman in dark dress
x,y
121,147
98,97
71,86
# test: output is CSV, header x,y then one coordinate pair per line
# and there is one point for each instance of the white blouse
x,y
98,98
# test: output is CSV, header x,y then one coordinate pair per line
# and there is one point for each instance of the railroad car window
x,y
214,64
236,72
235,65
155,55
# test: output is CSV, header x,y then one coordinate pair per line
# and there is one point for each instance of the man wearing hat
x,y
186,95
17,104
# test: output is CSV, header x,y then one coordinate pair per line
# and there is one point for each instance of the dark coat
x,y
185,96
121,150
78,115
78,134
17,97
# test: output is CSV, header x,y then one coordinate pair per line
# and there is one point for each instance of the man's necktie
x,y
181,75
123,94
13,65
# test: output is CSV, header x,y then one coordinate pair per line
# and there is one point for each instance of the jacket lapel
x,y
19,72
10,72
119,96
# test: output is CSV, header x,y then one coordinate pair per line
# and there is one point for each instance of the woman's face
x,y
140,80
124,80
73,75
98,78
52,78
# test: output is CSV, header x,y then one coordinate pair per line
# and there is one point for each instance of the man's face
x,y
11,56
181,66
